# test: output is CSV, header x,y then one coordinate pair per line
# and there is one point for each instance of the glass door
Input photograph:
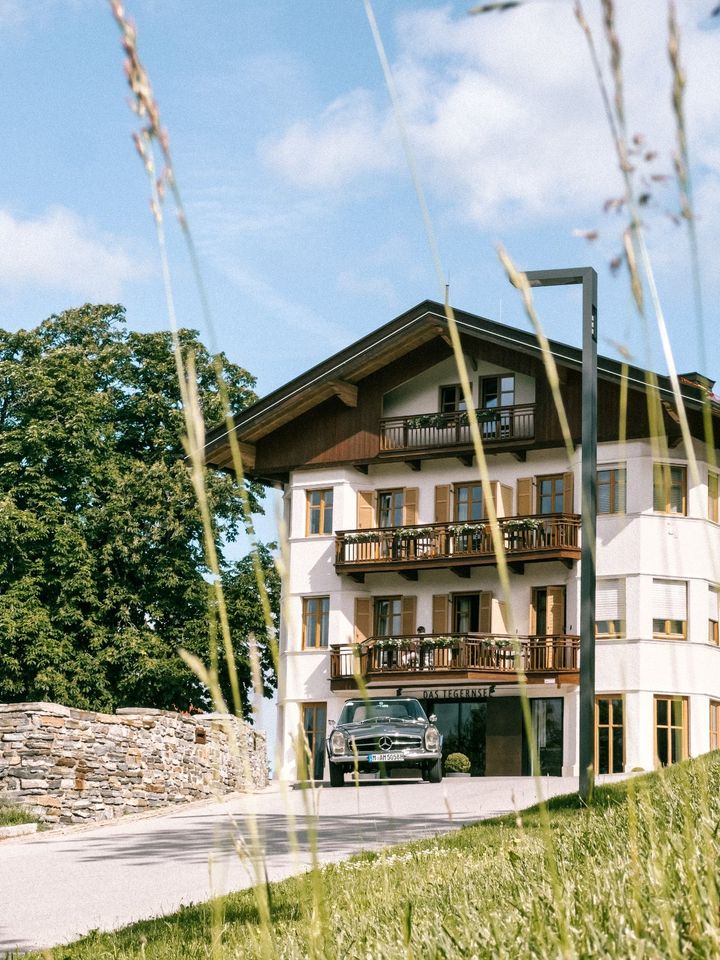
x,y
314,720
546,717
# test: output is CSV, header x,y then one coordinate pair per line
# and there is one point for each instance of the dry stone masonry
x,y
70,766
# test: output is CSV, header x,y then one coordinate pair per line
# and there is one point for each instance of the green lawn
x,y
10,815
634,876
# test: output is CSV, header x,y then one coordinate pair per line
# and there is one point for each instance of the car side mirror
x,y
432,718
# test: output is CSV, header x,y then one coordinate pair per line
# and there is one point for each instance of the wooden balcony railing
x,y
460,656
541,537
431,430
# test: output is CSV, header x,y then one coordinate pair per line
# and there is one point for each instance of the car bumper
x,y
408,758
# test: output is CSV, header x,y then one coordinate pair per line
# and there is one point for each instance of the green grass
x,y
636,875
11,815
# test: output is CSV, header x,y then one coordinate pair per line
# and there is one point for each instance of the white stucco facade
x,y
637,546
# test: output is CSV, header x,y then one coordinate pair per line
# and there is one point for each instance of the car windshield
x,y
357,711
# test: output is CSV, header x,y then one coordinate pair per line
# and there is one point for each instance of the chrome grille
x,y
371,744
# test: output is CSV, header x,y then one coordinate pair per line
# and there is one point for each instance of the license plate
x,y
382,757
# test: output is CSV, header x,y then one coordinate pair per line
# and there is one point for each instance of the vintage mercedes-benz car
x,y
379,733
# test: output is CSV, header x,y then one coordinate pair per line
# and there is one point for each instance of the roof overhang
x,y
340,374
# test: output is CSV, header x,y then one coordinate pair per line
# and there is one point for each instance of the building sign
x,y
457,693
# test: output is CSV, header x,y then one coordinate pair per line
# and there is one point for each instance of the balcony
x,y
470,658
510,428
456,546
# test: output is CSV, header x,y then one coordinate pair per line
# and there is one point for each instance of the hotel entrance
x,y
489,730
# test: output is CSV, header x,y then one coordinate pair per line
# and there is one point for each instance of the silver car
x,y
379,733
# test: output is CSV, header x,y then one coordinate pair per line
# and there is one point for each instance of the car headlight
x,y
432,739
337,742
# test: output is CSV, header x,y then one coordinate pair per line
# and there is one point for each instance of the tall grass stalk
x,y
638,872
681,163
496,534
617,125
150,136
654,859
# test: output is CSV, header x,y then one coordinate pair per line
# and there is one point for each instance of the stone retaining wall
x,y
69,766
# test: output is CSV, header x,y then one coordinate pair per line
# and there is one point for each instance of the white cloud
x,y
350,137
61,251
505,114
18,13
291,318
367,285
11,13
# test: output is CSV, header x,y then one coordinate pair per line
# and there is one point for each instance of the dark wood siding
x,y
332,432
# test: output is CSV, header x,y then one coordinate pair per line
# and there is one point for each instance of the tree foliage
x,y
102,573
247,617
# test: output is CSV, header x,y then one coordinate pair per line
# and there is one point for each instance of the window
x,y
547,615
611,490
388,616
670,730
497,391
669,489
468,505
670,609
551,494
452,399
390,508
319,512
466,613
315,621
713,497
713,614
714,725
609,735
610,608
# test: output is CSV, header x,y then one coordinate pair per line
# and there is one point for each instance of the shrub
x,y
457,763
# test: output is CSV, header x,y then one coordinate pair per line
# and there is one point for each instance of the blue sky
x,y
298,193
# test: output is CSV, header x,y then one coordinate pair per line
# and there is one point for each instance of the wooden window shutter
x,y
555,611
408,617
366,509
500,616
363,618
411,505
533,614
485,619
440,612
568,504
506,496
494,495
442,503
525,496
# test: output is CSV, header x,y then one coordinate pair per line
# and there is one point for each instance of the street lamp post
x,y
587,277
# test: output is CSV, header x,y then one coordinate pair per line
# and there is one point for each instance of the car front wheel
x,y
337,776
435,771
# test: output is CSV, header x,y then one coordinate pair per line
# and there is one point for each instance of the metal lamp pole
x,y
588,278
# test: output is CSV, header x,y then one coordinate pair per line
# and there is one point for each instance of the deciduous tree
x,y
102,573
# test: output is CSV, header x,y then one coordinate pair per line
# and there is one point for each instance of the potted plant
x,y
363,536
457,765
523,523
412,533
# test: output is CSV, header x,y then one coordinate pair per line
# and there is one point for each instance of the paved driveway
x,y
54,887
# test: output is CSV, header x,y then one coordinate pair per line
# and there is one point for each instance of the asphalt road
x,y
57,886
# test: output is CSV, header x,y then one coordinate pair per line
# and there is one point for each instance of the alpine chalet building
x,y
392,570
